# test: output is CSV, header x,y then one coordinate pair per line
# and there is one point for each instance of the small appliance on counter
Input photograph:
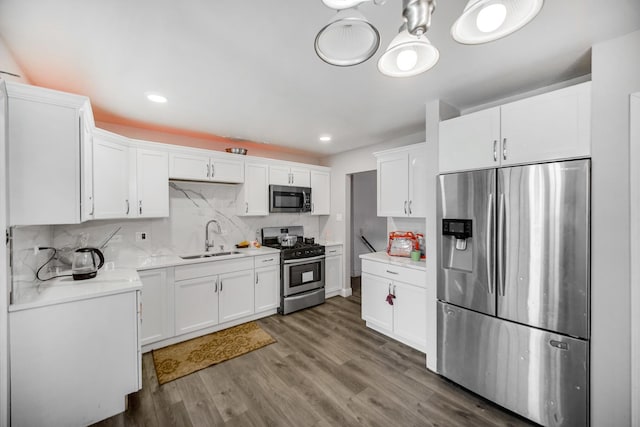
x,y
301,267
402,243
84,263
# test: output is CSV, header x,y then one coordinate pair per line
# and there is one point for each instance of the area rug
x,y
190,356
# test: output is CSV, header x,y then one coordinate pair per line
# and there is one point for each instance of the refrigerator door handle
x,y
501,245
490,255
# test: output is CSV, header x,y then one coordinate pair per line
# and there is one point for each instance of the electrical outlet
x,y
141,236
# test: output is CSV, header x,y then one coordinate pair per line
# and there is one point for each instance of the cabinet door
x,y
279,175
227,170
333,273
320,193
267,288
417,206
43,158
152,183
471,141
111,179
189,166
236,295
86,178
551,126
410,313
156,317
393,183
300,177
196,304
254,195
375,309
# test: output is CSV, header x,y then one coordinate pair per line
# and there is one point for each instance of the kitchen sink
x,y
210,255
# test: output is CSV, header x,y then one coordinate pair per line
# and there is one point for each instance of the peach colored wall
x,y
209,142
9,64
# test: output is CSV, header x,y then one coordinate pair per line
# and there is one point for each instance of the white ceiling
x,y
247,69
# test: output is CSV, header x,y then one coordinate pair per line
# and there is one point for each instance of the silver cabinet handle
x,y
410,211
313,208
213,170
257,278
504,149
127,202
405,207
246,209
208,171
392,272
495,150
290,178
267,260
221,282
333,251
216,290
140,206
394,290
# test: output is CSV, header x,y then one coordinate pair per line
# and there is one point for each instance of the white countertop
x,y
161,261
396,260
65,289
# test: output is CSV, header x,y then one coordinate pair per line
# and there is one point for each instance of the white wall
x,y
615,74
336,227
634,162
9,64
364,217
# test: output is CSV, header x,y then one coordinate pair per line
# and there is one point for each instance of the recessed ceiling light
x,y
325,138
156,97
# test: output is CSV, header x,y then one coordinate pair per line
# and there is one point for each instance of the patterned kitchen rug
x,y
190,356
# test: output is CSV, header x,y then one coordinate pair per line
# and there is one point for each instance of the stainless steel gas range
x,y
301,267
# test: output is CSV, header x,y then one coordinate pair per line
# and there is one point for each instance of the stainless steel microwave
x,y
283,198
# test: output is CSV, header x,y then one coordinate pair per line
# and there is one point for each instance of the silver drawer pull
x,y
267,260
392,272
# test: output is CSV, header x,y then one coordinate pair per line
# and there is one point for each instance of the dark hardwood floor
x,y
327,369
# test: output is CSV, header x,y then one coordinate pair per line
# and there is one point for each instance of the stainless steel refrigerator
x,y
513,287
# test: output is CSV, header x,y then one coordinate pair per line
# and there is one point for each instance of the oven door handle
x,y
303,260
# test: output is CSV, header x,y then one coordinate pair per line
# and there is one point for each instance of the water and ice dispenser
x,y
457,244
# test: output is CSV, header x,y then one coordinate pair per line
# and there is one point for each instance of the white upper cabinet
x,y
402,179
320,192
152,183
552,126
471,141
555,125
292,176
111,175
253,198
46,151
206,167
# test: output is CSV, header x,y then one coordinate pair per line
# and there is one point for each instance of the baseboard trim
x,y
346,292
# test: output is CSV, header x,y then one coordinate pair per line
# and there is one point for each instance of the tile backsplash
x,y
191,206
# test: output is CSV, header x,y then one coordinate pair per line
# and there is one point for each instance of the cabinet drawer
x,y
333,250
267,260
394,272
193,271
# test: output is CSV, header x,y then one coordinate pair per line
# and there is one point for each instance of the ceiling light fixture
x,y
325,138
408,55
156,97
410,52
348,39
484,21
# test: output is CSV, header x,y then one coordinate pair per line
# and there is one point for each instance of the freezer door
x,y
540,375
543,246
466,272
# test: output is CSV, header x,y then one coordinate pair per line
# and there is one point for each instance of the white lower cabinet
x,y
405,320
196,304
236,295
74,363
157,300
267,287
333,276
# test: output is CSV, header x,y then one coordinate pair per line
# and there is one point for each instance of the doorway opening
x,y
368,231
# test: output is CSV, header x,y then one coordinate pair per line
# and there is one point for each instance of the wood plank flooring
x,y
327,369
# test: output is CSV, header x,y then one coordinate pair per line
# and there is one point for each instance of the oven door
x,y
302,275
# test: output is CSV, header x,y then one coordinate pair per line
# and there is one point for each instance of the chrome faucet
x,y
209,244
